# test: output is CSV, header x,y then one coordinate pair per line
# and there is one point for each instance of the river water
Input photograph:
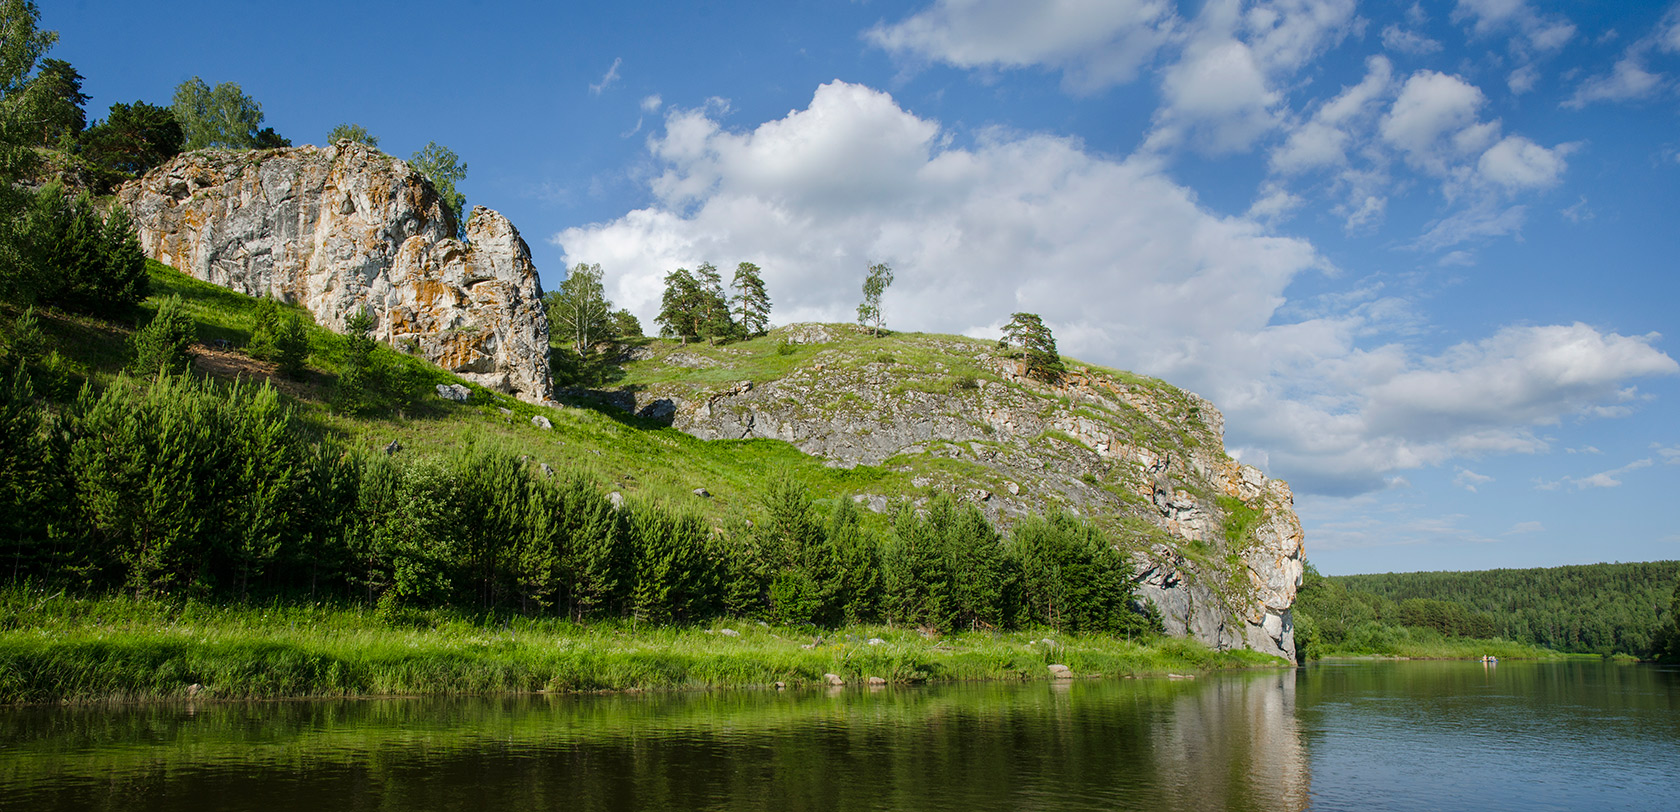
x,y
1365,736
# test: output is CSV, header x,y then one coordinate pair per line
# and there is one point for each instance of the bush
x,y
165,343
69,257
291,346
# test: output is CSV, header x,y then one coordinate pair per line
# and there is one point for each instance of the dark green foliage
x,y
752,302
267,138
68,256
291,345
694,307
625,324
165,343
30,485
370,377
352,132
56,103
221,116
443,169
265,329
1665,644
1072,579
1595,608
1027,331
131,140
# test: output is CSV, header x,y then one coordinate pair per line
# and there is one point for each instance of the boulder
x,y
541,422
1059,671
876,681
454,392
833,679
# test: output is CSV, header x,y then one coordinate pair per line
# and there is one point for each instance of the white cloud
x,y
1539,32
1518,163
1275,203
1629,80
607,79
1165,287
651,104
1469,480
1222,95
1434,121
1602,479
1325,138
1525,527
1670,454
1398,39
1094,43
1523,79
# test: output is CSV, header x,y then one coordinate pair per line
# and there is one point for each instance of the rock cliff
x,y
346,227
1216,544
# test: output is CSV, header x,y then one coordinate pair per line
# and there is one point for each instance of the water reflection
x,y
1227,742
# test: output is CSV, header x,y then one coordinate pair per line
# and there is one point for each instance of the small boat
x,y
1489,658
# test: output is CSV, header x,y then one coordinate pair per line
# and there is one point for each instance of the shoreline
x,y
102,650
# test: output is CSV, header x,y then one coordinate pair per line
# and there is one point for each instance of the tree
x,y
267,138
713,306
752,303
221,116
880,278
131,140
443,169
165,343
1027,331
352,132
677,308
626,325
21,44
56,103
63,254
291,346
579,311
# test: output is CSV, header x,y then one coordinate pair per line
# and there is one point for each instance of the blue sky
x,y
1422,257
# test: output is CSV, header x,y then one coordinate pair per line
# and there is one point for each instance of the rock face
x,y
346,227
1216,545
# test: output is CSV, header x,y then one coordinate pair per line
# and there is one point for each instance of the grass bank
x,y
1414,643
57,648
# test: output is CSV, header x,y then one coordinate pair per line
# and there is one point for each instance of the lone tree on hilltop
x,y
880,278
752,303
1027,331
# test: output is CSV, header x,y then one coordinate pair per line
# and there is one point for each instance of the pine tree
x,y
165,343
679,315
1027,331
752,303
712,306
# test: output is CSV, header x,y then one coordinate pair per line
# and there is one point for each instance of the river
x,y
1365,736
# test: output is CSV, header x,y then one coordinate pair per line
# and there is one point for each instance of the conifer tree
x,y
1027,331
752,302
165,343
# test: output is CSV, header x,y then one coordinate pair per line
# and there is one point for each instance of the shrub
x,y
291,346
165,343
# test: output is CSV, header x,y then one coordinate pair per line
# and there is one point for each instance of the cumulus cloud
x,y
1435,120
1123,262
1221,94
1518,163
1094,43
651,104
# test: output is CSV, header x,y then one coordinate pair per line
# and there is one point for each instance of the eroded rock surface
x,y
341,228
1216,544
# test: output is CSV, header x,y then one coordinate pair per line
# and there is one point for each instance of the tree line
x,y
1596,608
181,486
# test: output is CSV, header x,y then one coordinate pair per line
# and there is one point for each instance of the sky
x,y
1422,257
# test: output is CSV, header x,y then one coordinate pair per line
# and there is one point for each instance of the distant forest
x,y
1594,608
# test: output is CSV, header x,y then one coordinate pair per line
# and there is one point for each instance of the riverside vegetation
x,y
258,539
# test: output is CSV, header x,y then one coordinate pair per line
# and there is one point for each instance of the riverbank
x,y
1406,643
56,649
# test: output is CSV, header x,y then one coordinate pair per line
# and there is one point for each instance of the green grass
x,y
1412,643
56,648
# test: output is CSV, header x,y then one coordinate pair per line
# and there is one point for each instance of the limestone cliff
x,y
1216,544
341,228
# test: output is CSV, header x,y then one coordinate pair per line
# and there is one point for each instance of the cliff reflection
x,y
1222,742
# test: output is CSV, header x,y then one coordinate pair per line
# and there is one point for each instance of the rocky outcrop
x,y
346,227
1216,544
